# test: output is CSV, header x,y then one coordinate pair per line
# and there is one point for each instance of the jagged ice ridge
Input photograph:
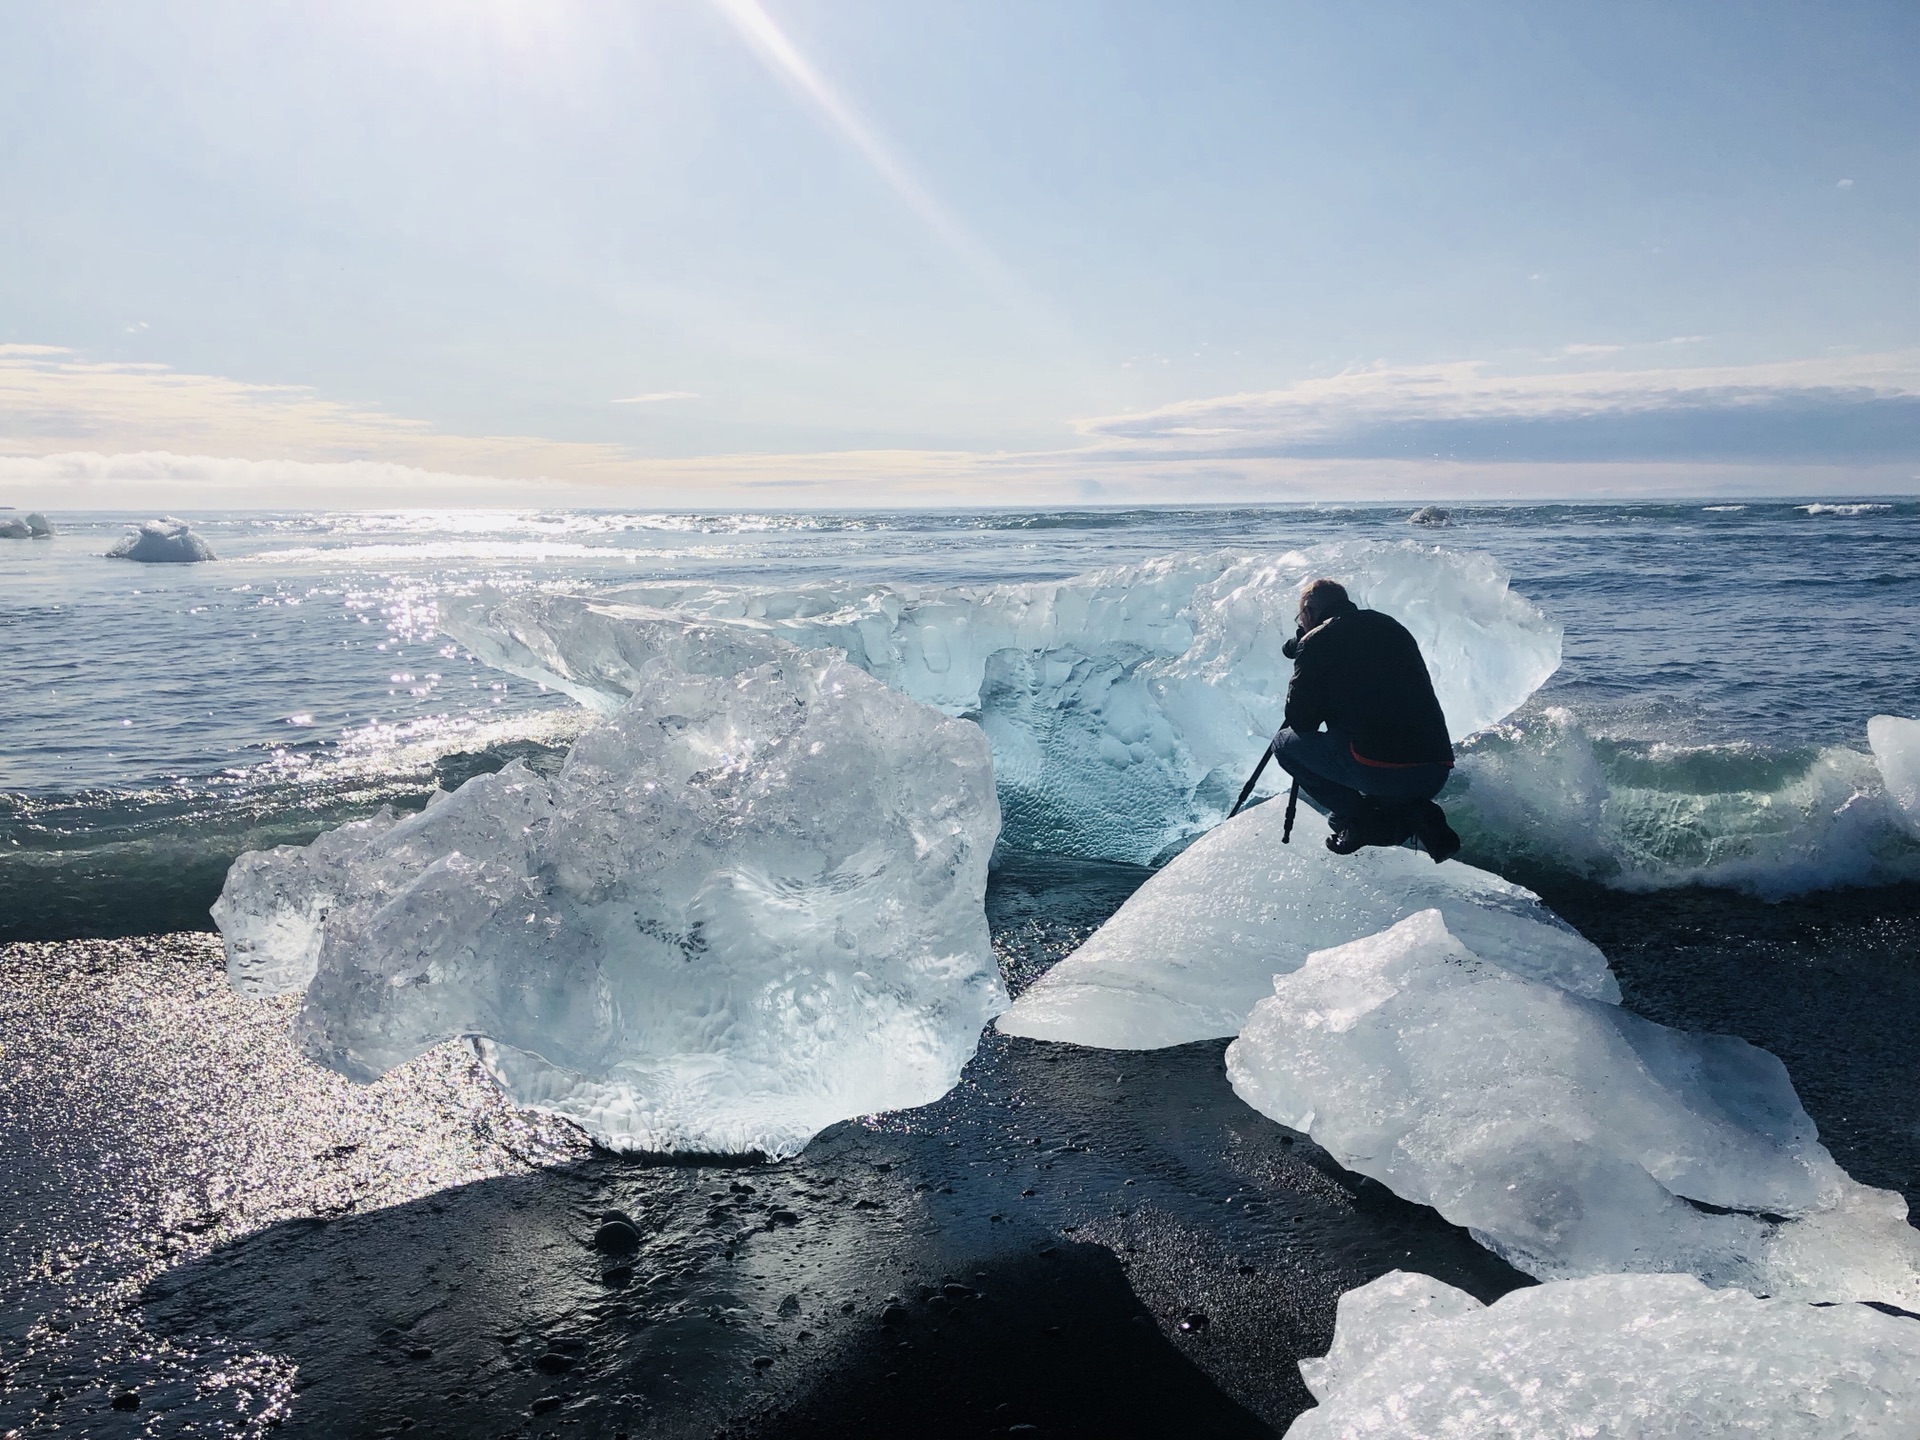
x,y
1124,706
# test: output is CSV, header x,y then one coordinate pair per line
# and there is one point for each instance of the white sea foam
x,y
1541,789
1825,508
749,905
1196,948
1615,1357
1569,1136
1123,706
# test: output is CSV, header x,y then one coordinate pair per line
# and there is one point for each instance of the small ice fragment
x,y
1615,1356
1571,1137
1197,947
1896,750
165,541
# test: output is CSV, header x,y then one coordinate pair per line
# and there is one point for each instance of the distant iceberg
x,y
1196,948
30,526
1431,515
1896,750
165,541
1615,1356
1124,707
1569,1136
750,905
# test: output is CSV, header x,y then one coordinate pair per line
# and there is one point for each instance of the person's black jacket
x,y
1361,672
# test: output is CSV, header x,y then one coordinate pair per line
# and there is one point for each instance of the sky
x,y
903,252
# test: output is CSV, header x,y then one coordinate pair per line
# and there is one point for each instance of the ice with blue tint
x,y
1196,948
1124,707
1569,1136
749,905
1544,790
1619,1357
165,541
30,526
1896,750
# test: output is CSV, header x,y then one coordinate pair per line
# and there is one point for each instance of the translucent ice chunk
x,y
1896,750
165,541
747,907
1124,707
1197,947
1570,1137
1617,1356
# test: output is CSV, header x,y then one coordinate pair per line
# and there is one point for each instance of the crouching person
x,y
1385,752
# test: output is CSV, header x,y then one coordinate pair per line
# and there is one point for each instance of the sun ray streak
x,y
779,54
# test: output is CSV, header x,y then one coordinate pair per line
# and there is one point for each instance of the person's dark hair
x,y
1324,599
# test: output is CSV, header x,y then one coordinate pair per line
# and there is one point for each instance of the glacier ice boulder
x,y
1896,750
30,526
165,541
1193,950
1124,707
750,904
1614,1357
1569,1136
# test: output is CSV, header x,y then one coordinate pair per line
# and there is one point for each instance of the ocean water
x,y
194,1217
1707,725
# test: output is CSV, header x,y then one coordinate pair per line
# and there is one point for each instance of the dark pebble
x,y
554,1363
126,1400
957,1292
790,1305
782,1217
619,1277
761,1362
893,1315
616,1237
545,1403
1194,1323
420,1352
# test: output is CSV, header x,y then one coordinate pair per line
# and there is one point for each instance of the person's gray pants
x,y
1329,776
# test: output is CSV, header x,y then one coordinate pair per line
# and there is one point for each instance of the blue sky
x,y
892,252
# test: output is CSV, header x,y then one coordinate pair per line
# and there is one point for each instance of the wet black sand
x,y
1081,1242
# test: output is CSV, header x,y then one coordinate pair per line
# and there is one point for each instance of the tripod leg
x,y
1293,807
1252,780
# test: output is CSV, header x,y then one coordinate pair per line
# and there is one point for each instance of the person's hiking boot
x,y
1370,825
1435,835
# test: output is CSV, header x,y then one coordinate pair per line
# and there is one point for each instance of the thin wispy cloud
x,y
1857,409
76,433
657,397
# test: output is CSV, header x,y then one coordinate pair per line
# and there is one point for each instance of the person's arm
x,y
1307,689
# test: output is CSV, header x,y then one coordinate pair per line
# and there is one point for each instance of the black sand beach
x,y
206,1235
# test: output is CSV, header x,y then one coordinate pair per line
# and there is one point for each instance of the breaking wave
x,y
1542,792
